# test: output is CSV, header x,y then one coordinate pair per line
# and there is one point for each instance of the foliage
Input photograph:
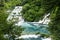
x,y
5,27
31,10
34,10
54,25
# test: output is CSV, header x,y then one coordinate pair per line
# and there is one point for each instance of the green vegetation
x,y
6,27
33,10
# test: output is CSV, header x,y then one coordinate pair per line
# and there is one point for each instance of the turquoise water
x,y
30,28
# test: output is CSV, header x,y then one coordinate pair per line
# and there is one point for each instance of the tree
x,y
31,10
53,8
5,27
34,10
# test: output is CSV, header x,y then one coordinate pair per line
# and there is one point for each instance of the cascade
x,y
30,27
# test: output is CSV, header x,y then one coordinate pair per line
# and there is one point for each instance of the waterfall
x,y
32,37
16,15
45,20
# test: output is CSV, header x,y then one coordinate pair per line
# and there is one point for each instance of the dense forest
x,y
33,10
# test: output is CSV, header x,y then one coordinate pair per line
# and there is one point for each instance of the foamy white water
x,y
45,20
46,39
28,36
16,14
32,36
